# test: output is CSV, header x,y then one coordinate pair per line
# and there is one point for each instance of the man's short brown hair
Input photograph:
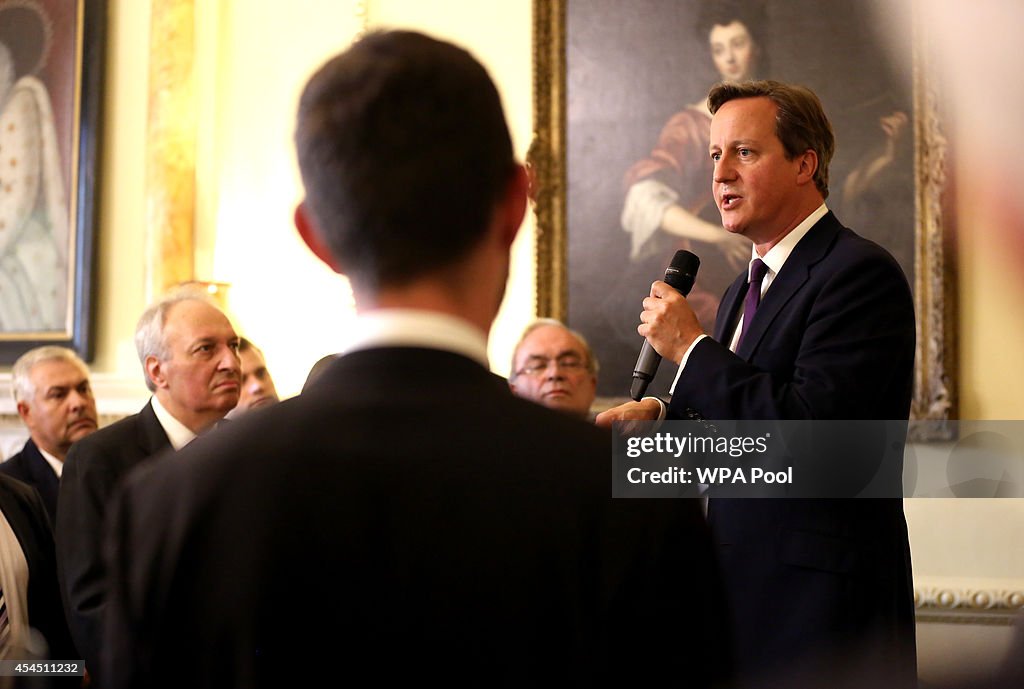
x,y
800,120
404,151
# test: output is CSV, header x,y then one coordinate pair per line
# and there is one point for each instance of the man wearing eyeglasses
x,y
553,366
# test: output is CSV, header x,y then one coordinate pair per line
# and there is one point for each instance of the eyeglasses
x,y
538,365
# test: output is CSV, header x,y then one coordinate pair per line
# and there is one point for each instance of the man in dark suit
x,y
189,354
56,404
23,512
407,518
816,586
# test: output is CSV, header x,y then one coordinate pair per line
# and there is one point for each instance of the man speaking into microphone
x,y
819,327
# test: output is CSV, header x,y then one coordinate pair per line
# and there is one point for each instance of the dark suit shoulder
x,y
857,264
119,446
100,452
110,436
853,251
17,464
359,409
19,490
477,519
387,420
25,512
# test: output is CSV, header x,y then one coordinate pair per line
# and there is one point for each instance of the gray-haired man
x,y
55,402
189,353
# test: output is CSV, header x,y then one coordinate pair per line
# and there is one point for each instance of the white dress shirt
x,y
416,328
774,260
178,433
55,464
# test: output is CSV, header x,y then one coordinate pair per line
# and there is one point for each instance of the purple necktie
x,y
757,272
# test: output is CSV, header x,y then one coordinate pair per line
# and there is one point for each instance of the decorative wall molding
x,y
968,600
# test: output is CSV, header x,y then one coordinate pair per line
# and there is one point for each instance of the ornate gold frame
x,y
935,278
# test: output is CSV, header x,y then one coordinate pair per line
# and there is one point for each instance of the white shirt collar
x,y
416,328
774,259
178,433
55,464
778,254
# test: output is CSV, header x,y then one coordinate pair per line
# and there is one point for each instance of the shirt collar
x,y
178,433
56,464
778,254
416,328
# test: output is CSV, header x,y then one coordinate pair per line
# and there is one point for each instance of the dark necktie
x,y
758,270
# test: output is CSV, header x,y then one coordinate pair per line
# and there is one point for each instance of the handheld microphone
x,y
680,274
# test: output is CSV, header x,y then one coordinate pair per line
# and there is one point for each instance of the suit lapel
x,y
41,471
729,309
794,274
151,435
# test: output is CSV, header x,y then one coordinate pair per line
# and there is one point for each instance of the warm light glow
x,y
218,291
282,298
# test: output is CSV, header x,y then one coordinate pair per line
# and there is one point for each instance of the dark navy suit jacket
x,y
24,511
406,517
814,581
29,466
93,470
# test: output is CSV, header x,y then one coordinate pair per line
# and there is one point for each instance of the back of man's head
x,y
404,150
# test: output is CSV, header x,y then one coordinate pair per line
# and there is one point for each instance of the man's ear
x,y
154,369
23,411
808,166
514,203
310,234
